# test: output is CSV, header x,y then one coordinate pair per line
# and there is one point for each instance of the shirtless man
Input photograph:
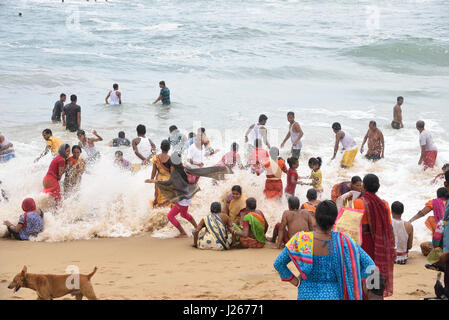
x,y
397,114
143,147
295,133
258,131
376,144
293,220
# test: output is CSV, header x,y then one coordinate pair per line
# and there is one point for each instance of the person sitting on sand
x,y
293,220
348,143
53,144
162,167
120,141
331,265
213,231
342,188
376,143
55,171
254,226
312,201
121,162
403,233
88,144
114,95
440,177
274,168
75,169
6,149
234,203
231,158
31,222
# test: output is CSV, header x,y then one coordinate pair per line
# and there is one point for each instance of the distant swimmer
x,y
114,95
429,151
143,147
376,143
6,149
53,144
348,143
164,95
120,141
73,113
397,114
295,134
57,109
20,14
257,131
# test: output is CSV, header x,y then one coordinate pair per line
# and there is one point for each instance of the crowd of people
x,y
332,264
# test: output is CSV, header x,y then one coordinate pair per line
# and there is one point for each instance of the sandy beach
x,y
143,267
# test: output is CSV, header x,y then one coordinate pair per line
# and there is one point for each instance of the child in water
x,y
292,177
316,176
121,162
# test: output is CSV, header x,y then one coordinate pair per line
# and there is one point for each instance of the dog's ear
x,y
24,270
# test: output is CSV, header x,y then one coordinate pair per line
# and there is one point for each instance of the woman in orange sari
x,y
274,168
162,168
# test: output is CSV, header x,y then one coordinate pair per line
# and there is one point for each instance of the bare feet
x,y
182,235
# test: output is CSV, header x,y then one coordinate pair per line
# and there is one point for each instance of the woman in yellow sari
x,y
234,203
162,168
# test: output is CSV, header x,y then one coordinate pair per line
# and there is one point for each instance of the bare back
x,y
397,113
297,221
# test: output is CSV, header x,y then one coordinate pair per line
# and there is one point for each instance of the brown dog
x,y
50,286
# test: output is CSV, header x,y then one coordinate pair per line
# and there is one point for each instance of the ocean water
x,y
225,63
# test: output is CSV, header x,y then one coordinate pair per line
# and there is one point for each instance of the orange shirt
x,y
358,204
429,204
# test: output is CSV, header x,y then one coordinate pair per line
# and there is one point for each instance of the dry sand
x,y
143,267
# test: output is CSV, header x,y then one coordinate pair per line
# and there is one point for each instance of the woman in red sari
x,y
55,171
274,168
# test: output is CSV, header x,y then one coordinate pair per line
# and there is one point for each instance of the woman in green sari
x,y
253,226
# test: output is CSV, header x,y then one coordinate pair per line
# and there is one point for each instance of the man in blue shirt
x,y
164,94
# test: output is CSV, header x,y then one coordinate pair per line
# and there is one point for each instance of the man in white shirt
x,y
429,151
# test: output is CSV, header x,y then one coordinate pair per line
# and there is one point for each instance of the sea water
x,y
225,63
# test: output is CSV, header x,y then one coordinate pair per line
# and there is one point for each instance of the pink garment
x,y
438,209
177,208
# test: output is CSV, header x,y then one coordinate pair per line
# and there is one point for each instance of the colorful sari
x,y
74,172
340,189
346,255
273,184
215,236
163,174
257,224
234,205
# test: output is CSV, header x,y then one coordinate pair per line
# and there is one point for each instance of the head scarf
x,y
62,150
28,205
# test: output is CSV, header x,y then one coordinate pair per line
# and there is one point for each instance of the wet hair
x,y
75,147
162,82
203,130
382,283
315,161
251,203
115,86
73,98
80,132
336,126
121,135
355,179
215,207
311,194
141,129
165,145
292,161
397,207
191,135
172,128
371,183
258,143
62,150
237,188
263,117
293,203
290,113
119,153
442,193
445,166
420,124
399,98
47,131
374,123
62,95
234,147
326,214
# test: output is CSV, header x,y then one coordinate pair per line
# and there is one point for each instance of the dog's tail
x,y
92,273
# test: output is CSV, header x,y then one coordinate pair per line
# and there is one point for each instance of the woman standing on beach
x,y
331,265
161,171
55,171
